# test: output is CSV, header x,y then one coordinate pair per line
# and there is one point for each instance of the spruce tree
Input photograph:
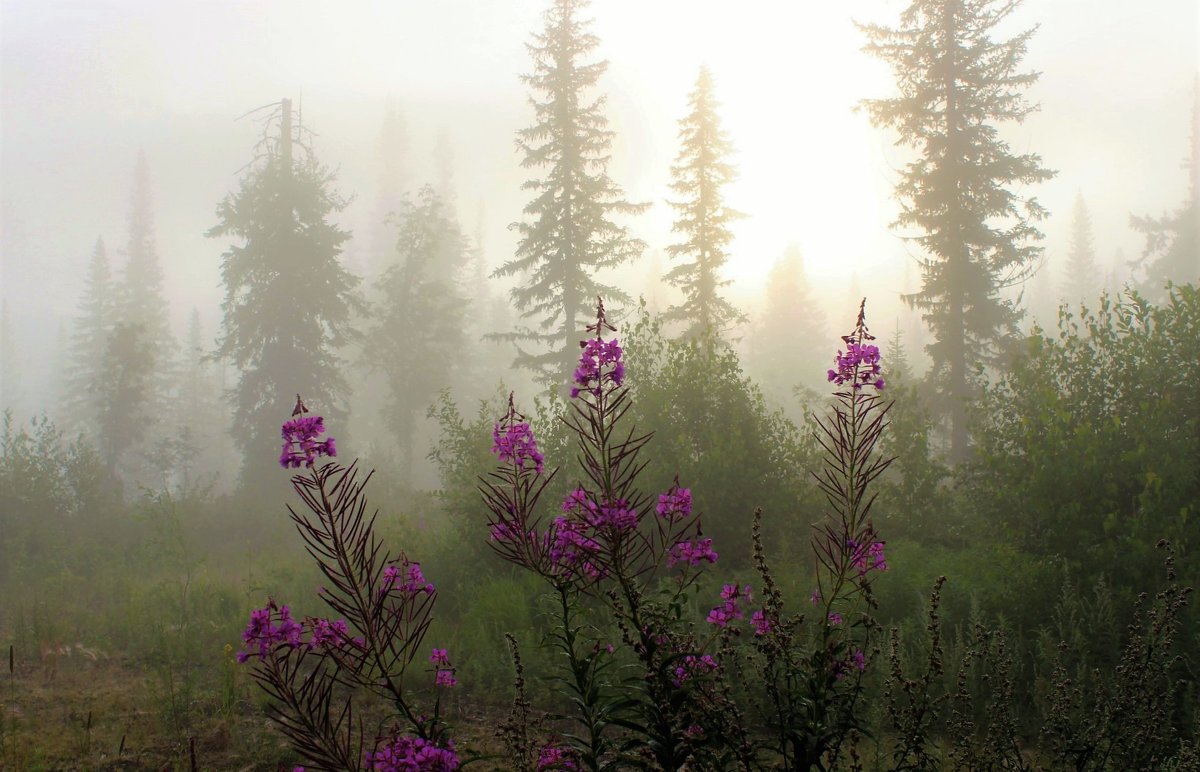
x,y
1082,279
86,353
699,174
789,341
124,393
288,296
418,339
1172,251
956,86
141,297
568,231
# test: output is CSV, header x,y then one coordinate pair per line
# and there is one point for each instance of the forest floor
x,y
79,713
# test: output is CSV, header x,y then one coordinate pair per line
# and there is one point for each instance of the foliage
x,y
89,340
418,337
1089,445
699,174
288,297
712,423
1172,251
569,233
956,84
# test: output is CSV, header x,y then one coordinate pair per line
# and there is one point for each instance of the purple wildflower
x,y
406,578
835,619
692,553
264,634
859,660
675,504
412,754
300,445
722,615
445,678
597,355
865,557
557,757
761,624
517,445
858,366
692,666
326,633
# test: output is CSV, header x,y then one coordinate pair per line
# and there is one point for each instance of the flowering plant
x,y
382,604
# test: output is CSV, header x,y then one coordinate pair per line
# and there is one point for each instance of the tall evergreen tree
x,y
10,385
288,296
418,340
699,174
124,392
389,196
1172,251
789,339
90,332
141,297
1082,279
568,232
956,85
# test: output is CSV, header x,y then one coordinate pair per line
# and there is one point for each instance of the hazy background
x,y
85,85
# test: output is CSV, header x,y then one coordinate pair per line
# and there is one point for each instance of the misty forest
x,y
555,385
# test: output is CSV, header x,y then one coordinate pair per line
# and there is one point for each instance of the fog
x,y
87,85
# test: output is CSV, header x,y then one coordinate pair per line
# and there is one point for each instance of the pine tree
x,y
418,340
1172,251
1082,279
389,196
124,392
141,298
10,385
90,332
699,174
288,296
789,340
568,232
956,85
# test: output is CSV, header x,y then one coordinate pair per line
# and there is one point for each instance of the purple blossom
x,y
269,626
597,355
866,557
572,550
445,678
675,504
326,633
406,578
722,615
300,445
517,445
859,660
858,366
761,624
815,598
692,553
557,757
835,619
412,754
440,657
691,666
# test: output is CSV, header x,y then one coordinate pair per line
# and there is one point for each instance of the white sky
x,y
85,84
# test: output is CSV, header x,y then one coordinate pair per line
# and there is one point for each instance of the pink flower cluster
x,y
273,626
407,578
691,666
866,557
412,754
269,626
675,504
300,445
722,615
444,671
858,366
597,355
517,445
557,758
573,550
692,553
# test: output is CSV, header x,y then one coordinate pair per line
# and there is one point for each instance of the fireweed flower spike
x,y
300,444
